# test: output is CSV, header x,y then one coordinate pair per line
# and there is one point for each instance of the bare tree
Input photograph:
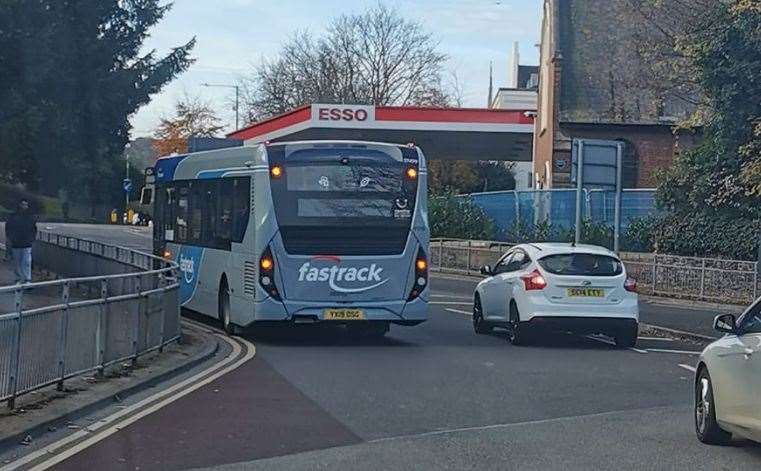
x,y
377,57
664,33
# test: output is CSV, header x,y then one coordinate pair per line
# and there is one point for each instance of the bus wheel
x,y
224,308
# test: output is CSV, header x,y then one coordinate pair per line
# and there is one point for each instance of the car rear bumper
x,y
539,306
582,325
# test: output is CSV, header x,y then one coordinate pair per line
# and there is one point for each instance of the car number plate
x,y
585,292
343,314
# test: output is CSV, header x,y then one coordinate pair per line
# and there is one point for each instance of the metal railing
x,y
54,330
705,279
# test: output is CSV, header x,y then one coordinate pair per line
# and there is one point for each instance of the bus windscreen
x,y
335,194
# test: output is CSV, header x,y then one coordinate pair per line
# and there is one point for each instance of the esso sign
x,y
329,115
342,114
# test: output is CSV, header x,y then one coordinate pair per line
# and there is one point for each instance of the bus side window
x,y
224,211
242,199
182,214
196,212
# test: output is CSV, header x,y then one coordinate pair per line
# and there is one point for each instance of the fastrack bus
x,y
297,232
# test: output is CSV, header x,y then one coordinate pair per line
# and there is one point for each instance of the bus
x,y
297,232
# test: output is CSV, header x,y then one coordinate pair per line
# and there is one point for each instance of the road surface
x,y
435,396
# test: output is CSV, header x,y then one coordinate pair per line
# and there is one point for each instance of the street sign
x,y
600,163
597,164
127,185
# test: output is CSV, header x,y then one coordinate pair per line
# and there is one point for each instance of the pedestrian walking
x,y
20,232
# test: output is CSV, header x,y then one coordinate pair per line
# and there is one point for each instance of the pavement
x,y
434,396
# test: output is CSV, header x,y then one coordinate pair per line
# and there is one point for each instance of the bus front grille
x,y
344,240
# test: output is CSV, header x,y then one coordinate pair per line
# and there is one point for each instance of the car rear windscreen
x,y
581,264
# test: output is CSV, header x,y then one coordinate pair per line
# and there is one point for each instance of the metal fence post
x,y
162,284
101,329
441,254
136,336
64,328
517,222
655,270
468,255
702,278
16,358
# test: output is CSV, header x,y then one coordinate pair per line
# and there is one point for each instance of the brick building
x,y
591,86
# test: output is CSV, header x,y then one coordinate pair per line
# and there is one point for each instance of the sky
x,y
233,36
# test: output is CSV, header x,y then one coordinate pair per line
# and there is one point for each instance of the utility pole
x,y
126,178
491,84
237,98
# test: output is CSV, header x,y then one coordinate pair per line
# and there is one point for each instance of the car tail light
x,y
534,281
267,274
630,285
421,275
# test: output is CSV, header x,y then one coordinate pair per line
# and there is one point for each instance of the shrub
x,y
458,217
708,235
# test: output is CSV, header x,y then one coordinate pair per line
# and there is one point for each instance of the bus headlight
x,y
421,275
267,274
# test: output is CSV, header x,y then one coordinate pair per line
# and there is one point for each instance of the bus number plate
x,y
343,314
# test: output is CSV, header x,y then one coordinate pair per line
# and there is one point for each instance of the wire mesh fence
x,y
557,208
53,330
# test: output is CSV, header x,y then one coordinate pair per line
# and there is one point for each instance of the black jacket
x,y
20,230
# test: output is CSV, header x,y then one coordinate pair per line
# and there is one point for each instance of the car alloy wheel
x,y
479,325
706,426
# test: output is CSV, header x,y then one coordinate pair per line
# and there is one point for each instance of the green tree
x,y
73,73
463,176
717,183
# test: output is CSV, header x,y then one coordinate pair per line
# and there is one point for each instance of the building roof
x,y
603,74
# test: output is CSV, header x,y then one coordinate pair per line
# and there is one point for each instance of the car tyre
x,y
479,324
706,426
518,332
627,338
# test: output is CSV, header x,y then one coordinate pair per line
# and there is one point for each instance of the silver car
x,y
728,380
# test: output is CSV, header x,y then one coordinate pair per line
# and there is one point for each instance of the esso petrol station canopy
x,y
442,133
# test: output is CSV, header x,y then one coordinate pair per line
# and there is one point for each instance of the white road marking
x,y
452,296
663,350
455,303
508,425
458,311
659,339
600,339
192,384
638,350
687,367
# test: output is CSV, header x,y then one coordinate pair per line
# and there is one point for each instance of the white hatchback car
x,y
728,380
556,286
